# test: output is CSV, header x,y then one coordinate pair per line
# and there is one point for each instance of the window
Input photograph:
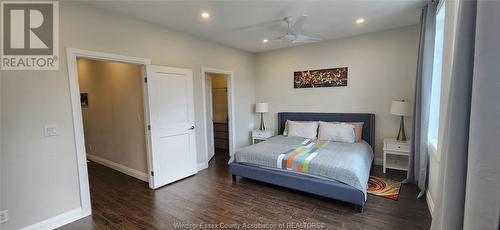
x,y
436,78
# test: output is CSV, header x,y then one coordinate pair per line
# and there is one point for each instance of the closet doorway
x,y
218,112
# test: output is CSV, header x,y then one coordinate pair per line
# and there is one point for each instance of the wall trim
x,y
119,167
202,166
430,202
59,220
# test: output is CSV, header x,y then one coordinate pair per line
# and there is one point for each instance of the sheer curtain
x,y
419,155
469,197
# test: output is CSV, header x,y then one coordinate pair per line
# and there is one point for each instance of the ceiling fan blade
x,y
253,26
299,23
278,39
305,39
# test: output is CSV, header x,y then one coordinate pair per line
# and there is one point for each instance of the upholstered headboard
x,y
368,133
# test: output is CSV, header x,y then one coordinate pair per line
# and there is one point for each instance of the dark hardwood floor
x,y
210,197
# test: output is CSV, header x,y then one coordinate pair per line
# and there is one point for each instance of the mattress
x,y
348,163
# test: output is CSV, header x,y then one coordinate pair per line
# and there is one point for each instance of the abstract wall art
x,y
320,78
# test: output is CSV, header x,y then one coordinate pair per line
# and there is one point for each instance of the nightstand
x,y
261,135
396,154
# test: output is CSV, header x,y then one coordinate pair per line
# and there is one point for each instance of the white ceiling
x,y
231,21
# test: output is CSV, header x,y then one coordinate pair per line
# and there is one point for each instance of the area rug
x,y
384,187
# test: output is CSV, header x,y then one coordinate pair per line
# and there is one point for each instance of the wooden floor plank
x,y
123,202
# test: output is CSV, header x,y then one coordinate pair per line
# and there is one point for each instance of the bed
x,y
256,162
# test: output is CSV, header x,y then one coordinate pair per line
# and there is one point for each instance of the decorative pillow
x,y
334,131
305,129
359,129
285,130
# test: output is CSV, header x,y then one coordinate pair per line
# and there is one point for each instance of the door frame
x,y
209,113
72,54
230,107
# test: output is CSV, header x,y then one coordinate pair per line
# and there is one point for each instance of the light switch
x,y
50,130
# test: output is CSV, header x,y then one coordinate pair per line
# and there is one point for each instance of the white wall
x,y
46,181
381,68
113,121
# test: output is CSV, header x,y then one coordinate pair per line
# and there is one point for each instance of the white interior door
x,y
210,119
171,116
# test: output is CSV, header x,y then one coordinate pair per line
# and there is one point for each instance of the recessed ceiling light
x,y
360,20
264,40
205,15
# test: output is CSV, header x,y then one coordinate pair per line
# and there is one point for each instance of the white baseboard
x,y
202,166
118,167
430,202
59,220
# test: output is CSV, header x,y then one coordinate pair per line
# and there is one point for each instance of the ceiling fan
x,y
293,34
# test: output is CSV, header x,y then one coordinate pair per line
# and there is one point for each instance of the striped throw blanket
x,y
298,159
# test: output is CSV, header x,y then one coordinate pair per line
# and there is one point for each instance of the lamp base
x,y
401,134
262,125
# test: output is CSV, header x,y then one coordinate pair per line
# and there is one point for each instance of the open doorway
x,y
167,120
112,105
218,112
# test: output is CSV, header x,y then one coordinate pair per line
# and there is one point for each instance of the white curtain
x,y
419,155
469,196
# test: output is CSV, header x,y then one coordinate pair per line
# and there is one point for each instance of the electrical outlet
x,y
4,216
50,130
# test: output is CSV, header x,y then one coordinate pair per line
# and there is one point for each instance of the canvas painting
x,y
320,78
84,99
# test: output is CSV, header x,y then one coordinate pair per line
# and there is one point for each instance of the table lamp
x,y
401,108
262,108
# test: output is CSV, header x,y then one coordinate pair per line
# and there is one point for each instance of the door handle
x,y
192,127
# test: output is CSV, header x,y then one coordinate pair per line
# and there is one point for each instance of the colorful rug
x,y
384,187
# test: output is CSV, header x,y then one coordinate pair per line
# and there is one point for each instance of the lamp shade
x,y
400,108
262,107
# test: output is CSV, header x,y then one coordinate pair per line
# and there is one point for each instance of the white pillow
x,y
305,129
341,132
